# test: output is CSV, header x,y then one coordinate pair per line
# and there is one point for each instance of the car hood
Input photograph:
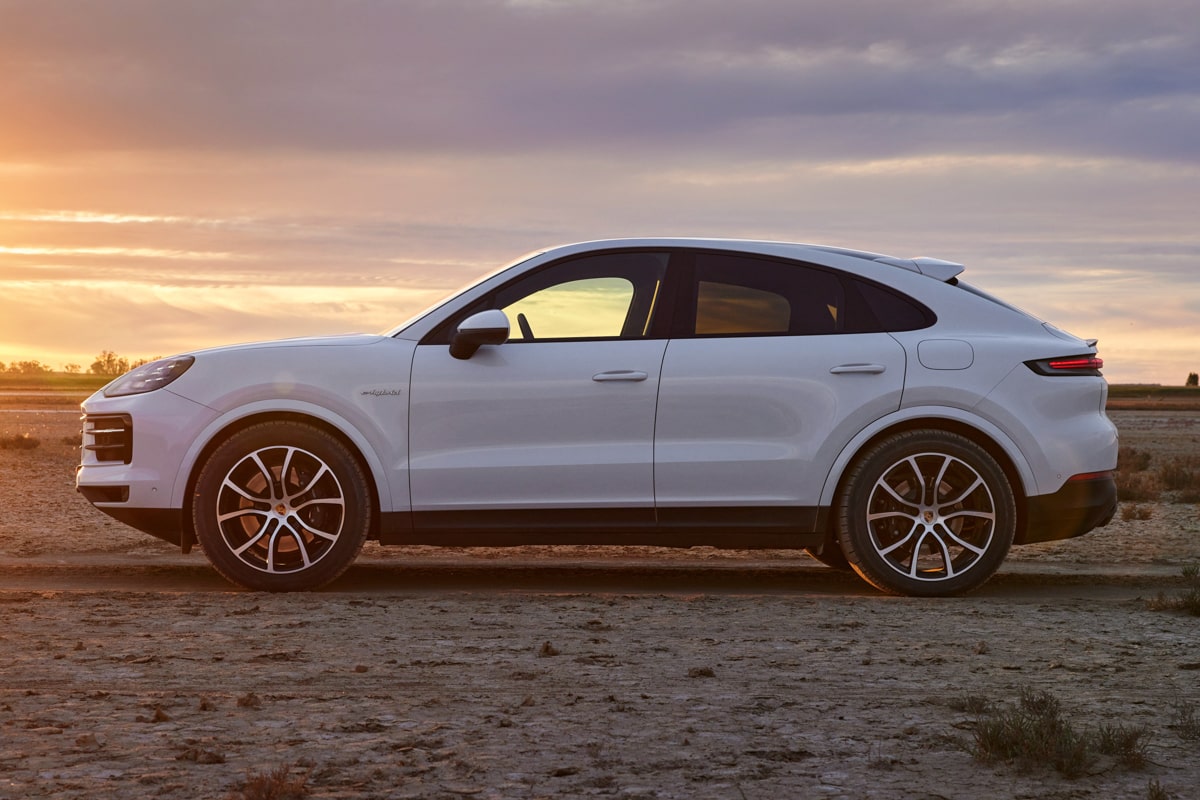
x,y
343,340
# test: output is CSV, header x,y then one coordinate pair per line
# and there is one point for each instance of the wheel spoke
x,y
890,514
229,484
888,488
254,540
978,551
915,563
974,514
964,495
906,538
299,540
946,461
945,553
332,537
307,487
266,473
242,512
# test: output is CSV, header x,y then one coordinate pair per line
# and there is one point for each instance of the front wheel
x,y
281,506
926,513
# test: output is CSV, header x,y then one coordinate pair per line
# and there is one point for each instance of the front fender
x,y
388,494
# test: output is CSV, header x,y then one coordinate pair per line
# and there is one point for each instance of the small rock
x,y
200,756
701,672
548,650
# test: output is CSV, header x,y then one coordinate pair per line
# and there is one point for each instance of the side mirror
x,y
486,327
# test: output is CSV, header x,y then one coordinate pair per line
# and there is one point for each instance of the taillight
x,y
1087,364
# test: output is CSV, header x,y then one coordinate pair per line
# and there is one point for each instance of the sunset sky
x,y
179,174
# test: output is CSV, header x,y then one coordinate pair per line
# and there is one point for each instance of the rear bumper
x,y
1078,507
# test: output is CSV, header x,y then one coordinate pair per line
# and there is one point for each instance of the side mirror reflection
x,y
486,327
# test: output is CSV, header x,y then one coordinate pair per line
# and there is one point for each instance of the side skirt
x,y
728,528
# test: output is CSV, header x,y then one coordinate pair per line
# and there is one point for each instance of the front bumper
x,y
1078,507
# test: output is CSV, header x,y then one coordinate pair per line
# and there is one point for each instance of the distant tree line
x,y
1193,379
106,363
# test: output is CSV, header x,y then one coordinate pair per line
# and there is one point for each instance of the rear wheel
x,y
926,513
281,506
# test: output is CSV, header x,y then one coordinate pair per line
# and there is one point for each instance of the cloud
x,y
827,78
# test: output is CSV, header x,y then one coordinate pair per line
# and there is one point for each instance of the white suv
x,y
875,411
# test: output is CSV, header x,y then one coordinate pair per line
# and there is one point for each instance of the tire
x,y
280,507
926,513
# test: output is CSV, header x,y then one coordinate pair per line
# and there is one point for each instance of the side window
x,y
729,308
584,309
740,295
606,296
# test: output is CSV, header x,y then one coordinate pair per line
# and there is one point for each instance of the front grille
x,y
109,436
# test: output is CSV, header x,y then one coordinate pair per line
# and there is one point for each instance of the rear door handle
x,y
870,369
620,375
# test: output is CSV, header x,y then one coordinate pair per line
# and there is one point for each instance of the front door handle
x,y
620,375
870,369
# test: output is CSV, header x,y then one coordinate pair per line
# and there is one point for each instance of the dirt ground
x,y
129,670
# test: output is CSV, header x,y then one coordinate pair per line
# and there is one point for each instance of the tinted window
x,y
753,296
890,311
729,308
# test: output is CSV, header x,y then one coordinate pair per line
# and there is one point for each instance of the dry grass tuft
x,y
278,784
18,442
1188,602
1155,791
1131,512
1034,734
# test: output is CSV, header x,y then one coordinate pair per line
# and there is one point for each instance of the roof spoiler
x,y
944,271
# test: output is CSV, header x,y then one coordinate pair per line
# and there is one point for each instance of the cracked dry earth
x,y
128,670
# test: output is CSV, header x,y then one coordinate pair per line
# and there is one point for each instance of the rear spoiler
x,y
944,271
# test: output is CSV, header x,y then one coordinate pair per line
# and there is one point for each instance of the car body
x,y
876,411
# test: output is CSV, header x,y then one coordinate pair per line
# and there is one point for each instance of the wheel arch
x,y
988,436
225,427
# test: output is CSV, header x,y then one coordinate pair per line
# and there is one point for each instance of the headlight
x,y
149,377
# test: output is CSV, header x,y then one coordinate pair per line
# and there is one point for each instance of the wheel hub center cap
x,y
929,516
281,509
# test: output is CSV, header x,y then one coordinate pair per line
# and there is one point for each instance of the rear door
x,y
763,383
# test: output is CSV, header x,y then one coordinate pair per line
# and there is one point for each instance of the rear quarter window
x,y
887,310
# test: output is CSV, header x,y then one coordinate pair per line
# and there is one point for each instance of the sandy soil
x,y
130,670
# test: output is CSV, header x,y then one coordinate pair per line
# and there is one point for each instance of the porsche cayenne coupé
x,y
876,411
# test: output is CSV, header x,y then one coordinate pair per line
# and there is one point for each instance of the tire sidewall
x,y
854,533
334,454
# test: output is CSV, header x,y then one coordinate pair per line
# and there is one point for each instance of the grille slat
x,y
109,436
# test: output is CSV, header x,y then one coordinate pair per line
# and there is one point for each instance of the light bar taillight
x,y
1087,364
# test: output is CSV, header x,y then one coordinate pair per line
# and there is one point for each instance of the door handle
x,y
620,375
869,369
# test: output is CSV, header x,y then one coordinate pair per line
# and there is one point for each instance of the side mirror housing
x,y
486,327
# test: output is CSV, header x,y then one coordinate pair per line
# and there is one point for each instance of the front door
x,y
555,426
